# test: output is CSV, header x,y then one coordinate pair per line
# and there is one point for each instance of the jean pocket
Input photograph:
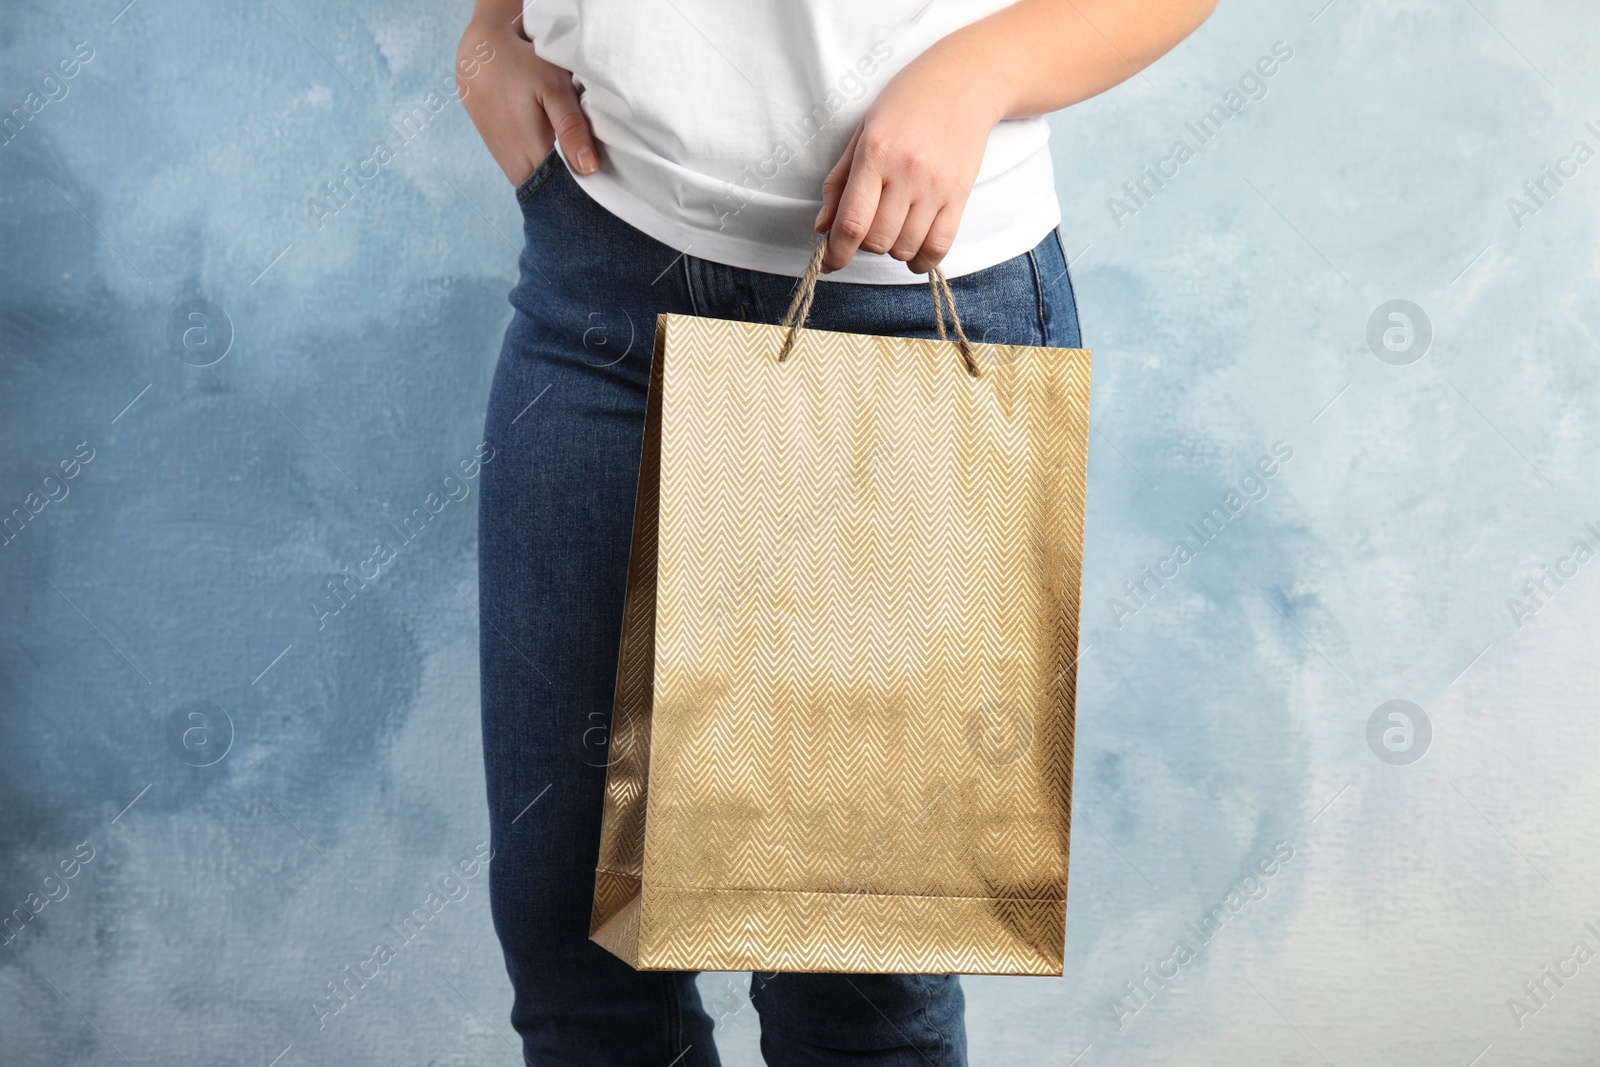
x,y
531,183
1000,305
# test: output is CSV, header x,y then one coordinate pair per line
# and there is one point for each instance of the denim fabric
x,y
565,418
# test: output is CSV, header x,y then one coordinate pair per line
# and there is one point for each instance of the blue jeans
x,y
566,419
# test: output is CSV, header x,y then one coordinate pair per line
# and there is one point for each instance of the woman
x,y
681,157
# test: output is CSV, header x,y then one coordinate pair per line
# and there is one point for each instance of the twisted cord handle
x,y
943,299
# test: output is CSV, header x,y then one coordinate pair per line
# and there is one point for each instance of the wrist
x,y
493,30
963,66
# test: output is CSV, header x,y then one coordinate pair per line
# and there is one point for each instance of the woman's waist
x,y
776,164
760,215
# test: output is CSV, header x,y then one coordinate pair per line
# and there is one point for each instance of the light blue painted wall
x,y
1228,309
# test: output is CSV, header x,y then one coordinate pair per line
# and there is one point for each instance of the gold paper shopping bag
x,y
842,736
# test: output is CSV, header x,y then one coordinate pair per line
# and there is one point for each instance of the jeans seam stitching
x,y
1072,290
1041,311
539,176
927,1022
674,1016
688,282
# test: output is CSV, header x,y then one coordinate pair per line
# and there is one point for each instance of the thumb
x,y
833,185
571,126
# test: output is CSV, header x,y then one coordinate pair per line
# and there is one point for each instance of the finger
x,y
893,207
531,141
941,235
516,132
833,184
858,207
571,126
517,169
914,230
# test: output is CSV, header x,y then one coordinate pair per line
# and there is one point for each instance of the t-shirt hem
x,y
868,268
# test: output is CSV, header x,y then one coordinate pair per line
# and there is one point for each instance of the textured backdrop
x,y
1336,754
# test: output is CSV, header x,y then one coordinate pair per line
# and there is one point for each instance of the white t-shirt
x,y
718,120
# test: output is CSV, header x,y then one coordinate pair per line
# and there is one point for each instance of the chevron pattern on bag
x,y
843,730
622,817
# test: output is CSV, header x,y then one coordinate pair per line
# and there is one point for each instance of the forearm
x,y
1038,56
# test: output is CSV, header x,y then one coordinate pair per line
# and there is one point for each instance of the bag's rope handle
x,y
806,291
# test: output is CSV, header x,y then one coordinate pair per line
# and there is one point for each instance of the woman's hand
x,y
520,103
904,180
905,176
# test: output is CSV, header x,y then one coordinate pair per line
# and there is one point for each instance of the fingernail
x,y
817,225
586,160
